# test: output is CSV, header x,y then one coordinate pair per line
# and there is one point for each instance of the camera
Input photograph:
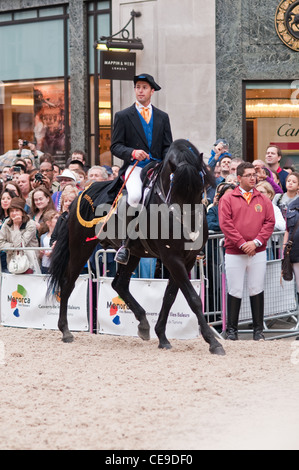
x,y
38,178
17,169
8,178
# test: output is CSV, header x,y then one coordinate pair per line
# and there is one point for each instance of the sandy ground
x,y
118,393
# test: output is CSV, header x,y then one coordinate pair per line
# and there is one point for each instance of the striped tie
x,y
145,113
247,196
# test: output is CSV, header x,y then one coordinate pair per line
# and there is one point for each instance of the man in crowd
x,y
246,218
24,183
272,159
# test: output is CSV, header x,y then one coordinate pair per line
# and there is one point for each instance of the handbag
x,y
286,265
19,263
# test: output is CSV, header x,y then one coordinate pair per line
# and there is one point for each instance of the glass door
x,y
272,118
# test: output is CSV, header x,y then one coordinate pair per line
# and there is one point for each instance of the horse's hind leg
x,y
121,284
168,300
75,266
65,293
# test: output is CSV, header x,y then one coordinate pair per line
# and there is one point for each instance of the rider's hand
x,y
140,155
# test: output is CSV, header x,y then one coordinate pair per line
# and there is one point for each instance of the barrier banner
x,y
114,316
24,303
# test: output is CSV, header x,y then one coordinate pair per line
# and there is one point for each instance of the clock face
x,y
287,23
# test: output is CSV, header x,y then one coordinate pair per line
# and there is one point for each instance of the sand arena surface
x,y
108,392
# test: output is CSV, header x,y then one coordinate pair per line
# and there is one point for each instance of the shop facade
x,y
226,68
257,47
51,86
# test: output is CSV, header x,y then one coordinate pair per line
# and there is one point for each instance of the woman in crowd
x,y
292,219
19,231
45,233
13,186
265,188
41,202
212,215
68,195
6,198
273,245
283,200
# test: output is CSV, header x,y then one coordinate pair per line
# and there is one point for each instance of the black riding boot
x,y
257,310
233,309
123,254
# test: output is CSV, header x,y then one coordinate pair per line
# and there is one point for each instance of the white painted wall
x,y
179,51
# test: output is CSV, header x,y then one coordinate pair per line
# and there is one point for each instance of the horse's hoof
x,y
68,338
218,350
144,334
164,346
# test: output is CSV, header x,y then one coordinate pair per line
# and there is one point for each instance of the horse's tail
x,y
59,259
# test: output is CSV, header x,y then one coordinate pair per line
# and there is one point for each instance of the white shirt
x,y
139,107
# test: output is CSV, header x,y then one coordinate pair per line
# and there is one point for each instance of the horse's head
x,y
185,173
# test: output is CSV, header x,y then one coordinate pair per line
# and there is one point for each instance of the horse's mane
x,y
191,175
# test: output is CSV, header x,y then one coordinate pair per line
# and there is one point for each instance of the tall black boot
x,y
233,310
257,310
123,254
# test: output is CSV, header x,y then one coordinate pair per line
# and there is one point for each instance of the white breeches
x,y
237,265
134,185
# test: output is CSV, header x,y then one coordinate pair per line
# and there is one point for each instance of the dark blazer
x,y
128,135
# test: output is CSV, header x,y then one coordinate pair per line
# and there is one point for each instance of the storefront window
x,y
100,89
35,111
272,118
33,86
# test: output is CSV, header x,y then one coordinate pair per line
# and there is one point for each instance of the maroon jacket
x,y
241,222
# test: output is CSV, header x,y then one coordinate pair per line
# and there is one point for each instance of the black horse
x,y
179,183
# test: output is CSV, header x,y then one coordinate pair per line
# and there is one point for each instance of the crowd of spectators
x,y
47,190
281,185
36,194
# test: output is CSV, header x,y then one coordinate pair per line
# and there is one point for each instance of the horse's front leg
x,y
121,285
168,300
180,275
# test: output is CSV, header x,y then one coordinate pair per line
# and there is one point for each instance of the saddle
x,y
104,193
149,175
99,193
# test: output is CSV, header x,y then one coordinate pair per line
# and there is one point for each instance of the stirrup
x,y
122,255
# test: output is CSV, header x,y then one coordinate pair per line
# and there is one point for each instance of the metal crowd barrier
x,y
281,305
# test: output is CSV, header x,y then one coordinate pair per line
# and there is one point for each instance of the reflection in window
x,y
35,111
272,117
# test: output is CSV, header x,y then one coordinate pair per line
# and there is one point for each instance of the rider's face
x,y
143,92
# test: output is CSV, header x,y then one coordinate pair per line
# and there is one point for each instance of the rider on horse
x,y
141,133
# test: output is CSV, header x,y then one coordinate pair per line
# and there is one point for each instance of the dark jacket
x,y
128,135
213,219
292,218
282,175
